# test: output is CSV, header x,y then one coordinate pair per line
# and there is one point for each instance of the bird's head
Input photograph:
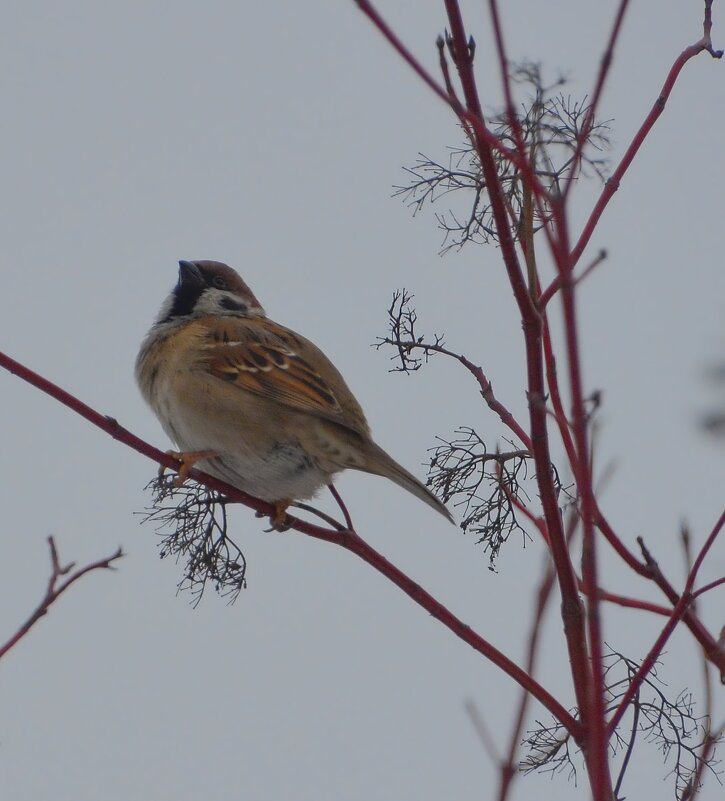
x,y
209,288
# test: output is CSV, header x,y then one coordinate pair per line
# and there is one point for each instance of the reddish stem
x,y
556,283
707,587
539,192
552,381
510,765
343,506
484,384
633,603
605,64
354,543
611,536
597,755
678,613
614,182
572,613
543,596
651,570
56,589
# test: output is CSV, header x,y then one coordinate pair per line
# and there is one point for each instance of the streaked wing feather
x,y
265,364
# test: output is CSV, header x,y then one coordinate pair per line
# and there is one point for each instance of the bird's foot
x,y
187,460
278,518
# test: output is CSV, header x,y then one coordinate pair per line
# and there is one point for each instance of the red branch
x,y
552,381
604,66
56,587
596,705
572,614
509,767
485,386
712,648
612,185
346,538
683,603
707,587
541,601
633,603
627,556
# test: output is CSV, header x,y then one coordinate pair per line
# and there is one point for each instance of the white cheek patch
x,y
216,301
165,309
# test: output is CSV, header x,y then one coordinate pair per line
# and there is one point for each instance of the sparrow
x,y
252,402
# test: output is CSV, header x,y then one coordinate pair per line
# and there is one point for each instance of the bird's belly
x,y
285,472
258,456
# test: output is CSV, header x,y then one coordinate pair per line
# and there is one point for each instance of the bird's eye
x,y
219,282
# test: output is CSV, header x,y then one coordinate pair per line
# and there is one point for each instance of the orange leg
x,y
280,514
187,460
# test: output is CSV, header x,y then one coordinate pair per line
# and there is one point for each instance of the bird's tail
x,y
381,464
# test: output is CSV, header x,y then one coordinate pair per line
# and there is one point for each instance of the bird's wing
x,y
259,356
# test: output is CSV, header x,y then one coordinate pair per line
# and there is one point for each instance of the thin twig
x,y
479,726
677,614
605,64
707,587
485,386
630,748
613,184
343,507
557,282
56,587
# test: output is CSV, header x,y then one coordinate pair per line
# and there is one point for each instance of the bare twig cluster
x,y
488,484
669,723
192,521
550,750
684,738
550,124
411,350
485,484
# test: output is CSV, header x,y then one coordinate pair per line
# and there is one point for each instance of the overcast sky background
x,y
269,136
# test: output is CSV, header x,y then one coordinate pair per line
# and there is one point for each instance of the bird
x,y
252,402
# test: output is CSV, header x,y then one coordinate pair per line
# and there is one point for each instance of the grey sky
x,y
268,136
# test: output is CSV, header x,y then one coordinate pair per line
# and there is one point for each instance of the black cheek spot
x,y
230,304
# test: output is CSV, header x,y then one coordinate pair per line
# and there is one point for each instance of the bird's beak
x,y
189,274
